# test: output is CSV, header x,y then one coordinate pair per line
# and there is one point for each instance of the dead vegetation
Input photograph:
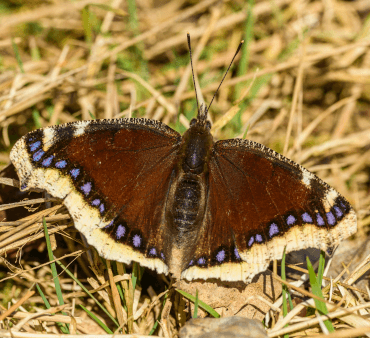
x,y
301,86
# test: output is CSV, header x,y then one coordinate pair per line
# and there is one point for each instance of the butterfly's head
x,y
201,120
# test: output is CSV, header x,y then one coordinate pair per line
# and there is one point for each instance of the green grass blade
x,y
54,271
17,56
134,28
321,268
285,291
153,328
159,317
44,299
92,115
120,291
246,131
201,304
132,18
86,24
50,111
134,275
47,305
36,118
97,320
258,83
316,290
244,58
87,292
283,276
196,304
53,266
243,63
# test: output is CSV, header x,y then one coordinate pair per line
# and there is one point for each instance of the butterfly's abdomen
x,y
186,203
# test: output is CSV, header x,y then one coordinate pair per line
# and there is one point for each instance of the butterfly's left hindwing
x,y
105,171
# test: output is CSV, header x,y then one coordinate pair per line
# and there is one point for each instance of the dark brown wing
x,y
113,176
260,202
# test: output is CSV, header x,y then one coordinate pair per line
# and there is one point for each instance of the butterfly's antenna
x,y
236,53
192,71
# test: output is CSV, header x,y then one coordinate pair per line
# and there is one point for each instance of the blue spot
x,y
191,262
136,240
37,155
95,202
61,164
251,241
47,161
201,261
24,186
86,188
343,206
35,145
307,218
338,212
236,253
290,220
320,220
101,208
75,172
162,255
120,232
330,217
221,255
153,252
259,238
273,230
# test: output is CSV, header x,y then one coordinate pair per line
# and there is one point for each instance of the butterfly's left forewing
x,y
113,176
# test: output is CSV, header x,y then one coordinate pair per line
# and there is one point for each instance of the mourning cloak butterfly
x,y
139,191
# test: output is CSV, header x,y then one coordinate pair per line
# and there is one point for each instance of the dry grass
x,y
301,86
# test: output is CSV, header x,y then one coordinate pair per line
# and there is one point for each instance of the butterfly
x,y
182,204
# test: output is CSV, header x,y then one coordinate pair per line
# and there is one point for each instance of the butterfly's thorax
x,y
195,150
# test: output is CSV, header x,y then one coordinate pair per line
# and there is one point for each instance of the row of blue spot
x,y
61,164
121,232
220,257
306,217
136,239
46,162
86,189
274,230
153,252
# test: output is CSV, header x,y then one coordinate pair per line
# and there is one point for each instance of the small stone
x,y
227,327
